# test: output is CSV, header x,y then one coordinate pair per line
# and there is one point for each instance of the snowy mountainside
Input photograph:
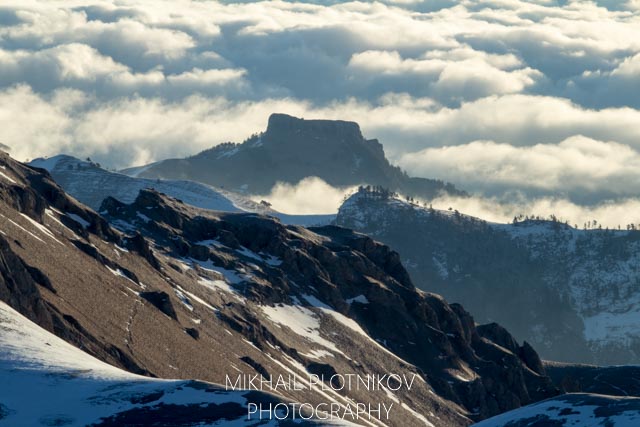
x,y
579,409
91,184
47,381
573,294
598,273
165,289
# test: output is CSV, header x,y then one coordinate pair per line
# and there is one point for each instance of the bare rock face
x,y
283,125
161,301
160,288
19,289
292,149
482,368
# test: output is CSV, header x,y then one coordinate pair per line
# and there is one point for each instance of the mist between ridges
x,y
335,382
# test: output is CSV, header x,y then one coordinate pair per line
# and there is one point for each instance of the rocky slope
x,y
181,292
290,150
91,184
573,294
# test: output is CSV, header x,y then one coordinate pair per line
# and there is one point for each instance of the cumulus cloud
x,y
456,74
126,131
609,214
312,195
577,165
629,67
495,96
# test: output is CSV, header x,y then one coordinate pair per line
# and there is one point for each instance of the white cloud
x,y
459,73
551,85
575,164
203,78
609,214
310,196
630,67
50,24
24,116
58,65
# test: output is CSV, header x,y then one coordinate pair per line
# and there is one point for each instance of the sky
x,y
516,101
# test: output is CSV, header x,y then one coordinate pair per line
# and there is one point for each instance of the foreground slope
x,y
48,382
573,294
204,294
290,150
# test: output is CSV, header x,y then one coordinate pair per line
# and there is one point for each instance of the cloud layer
x,y
540,97
310,196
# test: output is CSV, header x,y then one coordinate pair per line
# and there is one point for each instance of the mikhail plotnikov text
x,y
334,408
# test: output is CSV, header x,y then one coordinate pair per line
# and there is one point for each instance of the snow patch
x,y
359,299
8,178
41,227
301,321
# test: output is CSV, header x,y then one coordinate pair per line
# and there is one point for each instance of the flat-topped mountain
x,y
290,150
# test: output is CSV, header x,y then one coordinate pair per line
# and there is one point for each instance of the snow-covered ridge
x,y
91,184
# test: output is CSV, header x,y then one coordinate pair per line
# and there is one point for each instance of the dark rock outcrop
x,y
18,287
162,302
494,373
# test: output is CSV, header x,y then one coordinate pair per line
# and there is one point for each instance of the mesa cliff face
x,y
178,292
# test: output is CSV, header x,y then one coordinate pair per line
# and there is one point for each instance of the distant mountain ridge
x,y
290,150
573,294
91,184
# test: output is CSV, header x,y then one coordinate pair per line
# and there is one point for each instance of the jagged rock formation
x,y
230,293
290,150
351,277
573,294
